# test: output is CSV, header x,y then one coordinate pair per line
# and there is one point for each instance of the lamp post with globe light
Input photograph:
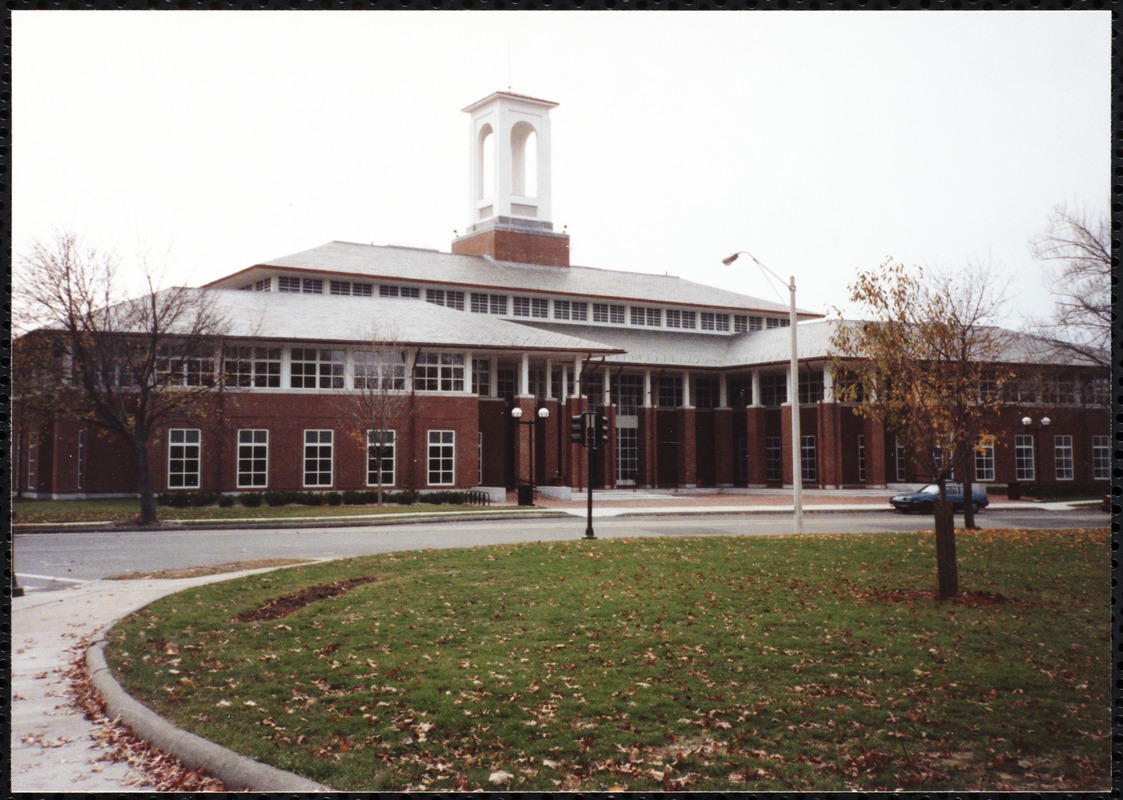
x,y
793,392
1035,428
541,416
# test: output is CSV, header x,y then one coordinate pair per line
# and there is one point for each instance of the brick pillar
x,y
874,431
548,455
722,448
829,445
754,439
688,448
524,440
576,463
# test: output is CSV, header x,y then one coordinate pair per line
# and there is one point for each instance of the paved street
x,y
55,560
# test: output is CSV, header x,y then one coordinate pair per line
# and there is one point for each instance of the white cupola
x,y
509,180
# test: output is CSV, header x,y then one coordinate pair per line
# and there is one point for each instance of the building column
x,y
754,444
828,445
874,431
724,450
524,376
687,454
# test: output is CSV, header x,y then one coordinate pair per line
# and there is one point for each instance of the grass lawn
x,y
64,511
811,663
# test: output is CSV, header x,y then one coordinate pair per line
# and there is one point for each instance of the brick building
x,y
692,379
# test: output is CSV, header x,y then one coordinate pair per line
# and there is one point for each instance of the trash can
x,y
1014,490
526,495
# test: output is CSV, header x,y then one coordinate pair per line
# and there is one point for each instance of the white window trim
x,y
393,459
304,459
429,457
197,444
238,458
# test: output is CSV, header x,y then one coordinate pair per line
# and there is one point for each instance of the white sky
x,y
822,142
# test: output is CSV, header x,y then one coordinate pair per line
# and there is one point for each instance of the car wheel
x,y
976,507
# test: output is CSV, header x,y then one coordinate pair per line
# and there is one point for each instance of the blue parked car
x,y
925,500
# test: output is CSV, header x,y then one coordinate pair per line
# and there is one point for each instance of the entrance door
x,y
627,450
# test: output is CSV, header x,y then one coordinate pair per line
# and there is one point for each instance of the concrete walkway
x,y
55,749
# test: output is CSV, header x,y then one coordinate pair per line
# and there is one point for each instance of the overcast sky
x,y
820,142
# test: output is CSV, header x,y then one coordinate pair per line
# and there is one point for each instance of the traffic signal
x,y
601,430
577,429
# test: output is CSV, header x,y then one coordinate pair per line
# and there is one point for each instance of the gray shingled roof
x,y
406,264
761,348
317,318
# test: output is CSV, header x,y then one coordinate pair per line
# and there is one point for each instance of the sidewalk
x,y
54,748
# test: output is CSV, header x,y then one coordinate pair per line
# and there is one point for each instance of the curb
x,y
238,772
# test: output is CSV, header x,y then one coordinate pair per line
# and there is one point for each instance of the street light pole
x,y
793,391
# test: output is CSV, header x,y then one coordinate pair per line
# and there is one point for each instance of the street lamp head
x,y
543,413
1027,421
730,259
516,412
1045,422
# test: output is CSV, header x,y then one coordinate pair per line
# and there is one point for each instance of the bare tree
x,y
1078,246
122,366
927,365
380,402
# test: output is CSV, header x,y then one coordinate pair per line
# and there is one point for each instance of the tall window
x,y
256,367
33,462
1062,455
318,450
669,392
316,369
740,389
773,460
902,465
184,369
381,457
810,387
81,482
184,458
1101,458
481,376
861,458
439,372
442,458
773,389
379,371
707,392
627,455
253,458
808,458
1024,467
984,463
627,390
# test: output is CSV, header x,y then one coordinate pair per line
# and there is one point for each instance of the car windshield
x,y
930,489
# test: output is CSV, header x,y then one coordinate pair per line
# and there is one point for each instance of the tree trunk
x,y
968,489
947,570
144,483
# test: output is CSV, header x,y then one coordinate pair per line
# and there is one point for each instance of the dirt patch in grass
x,y
286,604
217,569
